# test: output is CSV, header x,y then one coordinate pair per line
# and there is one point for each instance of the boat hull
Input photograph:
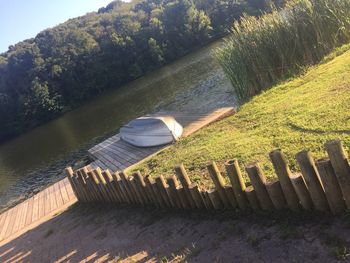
x,y
151,131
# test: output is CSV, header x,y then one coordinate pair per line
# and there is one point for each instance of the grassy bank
x,y
301,113
262,51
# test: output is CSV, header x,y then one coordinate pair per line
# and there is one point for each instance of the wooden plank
x,y
64,192
109,156
117,156
22,220
29,212
19,217
101,156
13,219
47,205
69,190
40,205
97,154
35,215
2,219
52,199
121,151
102,165
6,223
107,160
122,158
137,152
59,197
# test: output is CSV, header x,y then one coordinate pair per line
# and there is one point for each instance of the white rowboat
x,y
151,131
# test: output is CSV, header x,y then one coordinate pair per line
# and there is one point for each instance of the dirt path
x,y
86,234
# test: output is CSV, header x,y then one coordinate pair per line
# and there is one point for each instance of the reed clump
x,y
262,51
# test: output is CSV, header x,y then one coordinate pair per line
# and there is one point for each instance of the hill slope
x,y
301,113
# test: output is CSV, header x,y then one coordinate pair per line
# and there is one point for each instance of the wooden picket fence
x,y
322,185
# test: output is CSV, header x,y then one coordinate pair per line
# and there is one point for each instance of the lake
x,y
37,158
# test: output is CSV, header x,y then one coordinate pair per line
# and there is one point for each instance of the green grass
x,y
302,113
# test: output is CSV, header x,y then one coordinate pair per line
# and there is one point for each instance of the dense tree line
x,y
61,67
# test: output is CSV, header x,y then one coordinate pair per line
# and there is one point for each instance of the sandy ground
x,y
120,234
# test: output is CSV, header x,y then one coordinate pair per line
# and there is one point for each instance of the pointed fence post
x,y
173,186
136,191
162,187
300,187
196,195
207,202
186,182
275,192
118,184
312,180
111,187
70,173
153,189
121,185
258,181
231,196
141,185
331,186
219,183
103,185
92,188
149,190
183,198
128,188
215,199
340,164
80,182
94,183
252,198
237,182
283,173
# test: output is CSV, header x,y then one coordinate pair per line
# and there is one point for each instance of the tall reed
x,y
261,51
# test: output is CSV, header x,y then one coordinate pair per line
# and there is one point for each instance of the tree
x,y
63,66
39,104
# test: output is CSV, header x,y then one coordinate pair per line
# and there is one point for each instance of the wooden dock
x,y
117,155
112,154
29,213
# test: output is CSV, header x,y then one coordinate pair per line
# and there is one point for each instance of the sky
x,y
23,19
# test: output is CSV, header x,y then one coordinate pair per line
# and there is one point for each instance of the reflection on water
x,y
38,157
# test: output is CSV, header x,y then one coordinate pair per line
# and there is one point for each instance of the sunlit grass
x,y
301,113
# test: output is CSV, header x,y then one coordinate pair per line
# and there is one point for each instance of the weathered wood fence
x,y
322,185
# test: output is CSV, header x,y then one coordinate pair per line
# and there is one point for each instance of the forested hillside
x,y
42,77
